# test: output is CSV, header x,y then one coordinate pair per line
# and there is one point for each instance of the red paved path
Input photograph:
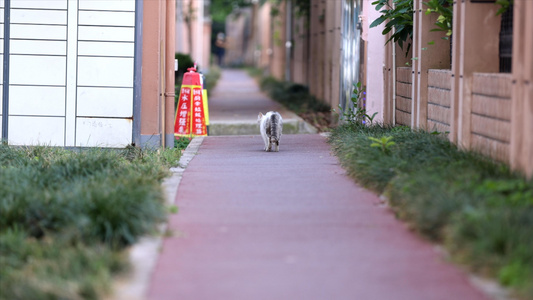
x,y
291,225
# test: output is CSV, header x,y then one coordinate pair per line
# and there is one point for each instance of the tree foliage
x,y
444,8
220,9
399,15
505,4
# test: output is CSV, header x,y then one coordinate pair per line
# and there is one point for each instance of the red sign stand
x,y
191,113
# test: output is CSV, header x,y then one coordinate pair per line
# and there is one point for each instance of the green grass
x,y
212,78
479,209
67,216
297,98
182,143
254,72
294,96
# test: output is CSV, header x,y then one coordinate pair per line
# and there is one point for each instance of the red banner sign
x,y
190,114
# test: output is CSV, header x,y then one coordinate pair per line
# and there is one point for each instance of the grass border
x,y
143,255
479,209
67,216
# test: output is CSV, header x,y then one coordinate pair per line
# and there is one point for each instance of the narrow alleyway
x,y
289,225
235,103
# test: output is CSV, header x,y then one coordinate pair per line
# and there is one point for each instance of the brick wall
x,y
403,96
439,100
491,114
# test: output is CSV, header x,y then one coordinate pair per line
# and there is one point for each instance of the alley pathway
x,y
237,100
290,225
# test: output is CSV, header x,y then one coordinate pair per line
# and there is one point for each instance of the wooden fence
x,y
476,105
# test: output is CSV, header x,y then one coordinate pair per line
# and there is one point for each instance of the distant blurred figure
x,y
220,47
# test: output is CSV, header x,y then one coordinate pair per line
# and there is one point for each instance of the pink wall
x,y
157,105
375,61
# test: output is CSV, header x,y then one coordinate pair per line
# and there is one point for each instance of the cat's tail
x,y
275,120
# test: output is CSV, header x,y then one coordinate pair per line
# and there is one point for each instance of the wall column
x,y
151,75
455,90
522,89
478,52
170,42
430,52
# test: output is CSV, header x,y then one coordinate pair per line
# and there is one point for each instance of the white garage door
x,y
70,72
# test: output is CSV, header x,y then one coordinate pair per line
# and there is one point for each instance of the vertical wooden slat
x,y
527,128
415,63
521,156
388,91
454,77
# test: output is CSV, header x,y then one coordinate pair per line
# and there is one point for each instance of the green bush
x,y
294,96
66,216
184,62
479,209
54,267
99,193
182,143
212,78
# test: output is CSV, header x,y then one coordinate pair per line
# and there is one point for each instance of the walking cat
x,y
270,125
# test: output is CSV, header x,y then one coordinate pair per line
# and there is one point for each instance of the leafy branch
x,y
505,4
399,15
445,20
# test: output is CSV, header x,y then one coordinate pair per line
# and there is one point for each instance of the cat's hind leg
x,y
265,140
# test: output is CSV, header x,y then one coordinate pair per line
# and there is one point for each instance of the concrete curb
x,y
295,125
143,255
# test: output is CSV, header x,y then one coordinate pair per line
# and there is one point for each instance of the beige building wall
x,y
157,108
264,35
329,49
249,39
335,52
277,66
182,44
241,41
193,31
300,51
234,40
315,44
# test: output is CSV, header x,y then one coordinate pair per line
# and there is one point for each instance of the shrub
x,y
66,215
182,143
479,209
294,96
184,62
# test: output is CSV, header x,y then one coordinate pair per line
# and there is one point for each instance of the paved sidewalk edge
x,y
294,125
143,255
